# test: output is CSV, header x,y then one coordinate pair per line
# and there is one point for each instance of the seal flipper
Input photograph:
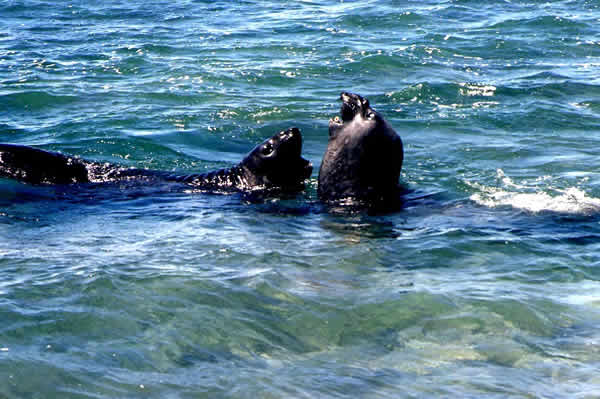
x,y
35,166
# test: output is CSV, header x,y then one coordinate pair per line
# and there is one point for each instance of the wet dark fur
x,y
363,159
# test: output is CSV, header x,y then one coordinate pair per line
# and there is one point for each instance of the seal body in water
x,y
363,160
276,163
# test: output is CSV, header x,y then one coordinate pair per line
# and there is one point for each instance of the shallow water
x,y
486,283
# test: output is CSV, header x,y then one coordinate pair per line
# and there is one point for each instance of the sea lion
x,y
276,163
363,159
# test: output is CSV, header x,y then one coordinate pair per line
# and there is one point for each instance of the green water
x,y
486,283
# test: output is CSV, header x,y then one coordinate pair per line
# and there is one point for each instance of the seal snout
x,y
293,167
291,135
352,104
294,137
289,143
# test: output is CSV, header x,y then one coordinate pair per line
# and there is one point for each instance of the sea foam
x,y
571,200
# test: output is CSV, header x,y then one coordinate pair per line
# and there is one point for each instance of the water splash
x,y
571,200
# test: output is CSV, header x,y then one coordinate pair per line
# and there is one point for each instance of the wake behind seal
x,y
275,164
364,156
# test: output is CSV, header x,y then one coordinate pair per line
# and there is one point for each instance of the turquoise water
x,y
486,284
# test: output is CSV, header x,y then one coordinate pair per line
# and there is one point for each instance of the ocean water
x,y
486,283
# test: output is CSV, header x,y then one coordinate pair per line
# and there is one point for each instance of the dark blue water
x,y
487,287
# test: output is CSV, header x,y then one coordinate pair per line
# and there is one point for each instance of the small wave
x,y
571,200
547,22
35,100
581,293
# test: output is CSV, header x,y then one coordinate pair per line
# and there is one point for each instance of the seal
x,y
363,159
275,164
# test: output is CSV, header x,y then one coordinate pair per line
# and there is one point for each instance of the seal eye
x,y
267,149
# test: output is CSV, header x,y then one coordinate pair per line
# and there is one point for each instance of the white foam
x,y
580,293
571,200
468,90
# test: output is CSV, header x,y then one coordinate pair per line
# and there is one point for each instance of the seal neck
x,y
226,179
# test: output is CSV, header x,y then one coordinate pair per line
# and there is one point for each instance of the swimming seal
x,y
276,163
364,156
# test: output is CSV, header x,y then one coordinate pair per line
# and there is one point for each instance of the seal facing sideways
x,y
276,163
364,156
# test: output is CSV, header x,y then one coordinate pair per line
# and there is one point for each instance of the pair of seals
x,y
361,165
276,163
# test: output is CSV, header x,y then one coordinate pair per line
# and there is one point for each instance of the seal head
x,y
277,162
364,156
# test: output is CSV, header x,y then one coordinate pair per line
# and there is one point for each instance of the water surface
x,y
488,287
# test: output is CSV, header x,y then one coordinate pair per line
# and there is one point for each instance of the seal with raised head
x,y
275,164
364,156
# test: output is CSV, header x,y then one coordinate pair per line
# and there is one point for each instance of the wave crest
x,y
571,200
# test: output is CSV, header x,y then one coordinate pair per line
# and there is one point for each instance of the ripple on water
x,y
490,269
